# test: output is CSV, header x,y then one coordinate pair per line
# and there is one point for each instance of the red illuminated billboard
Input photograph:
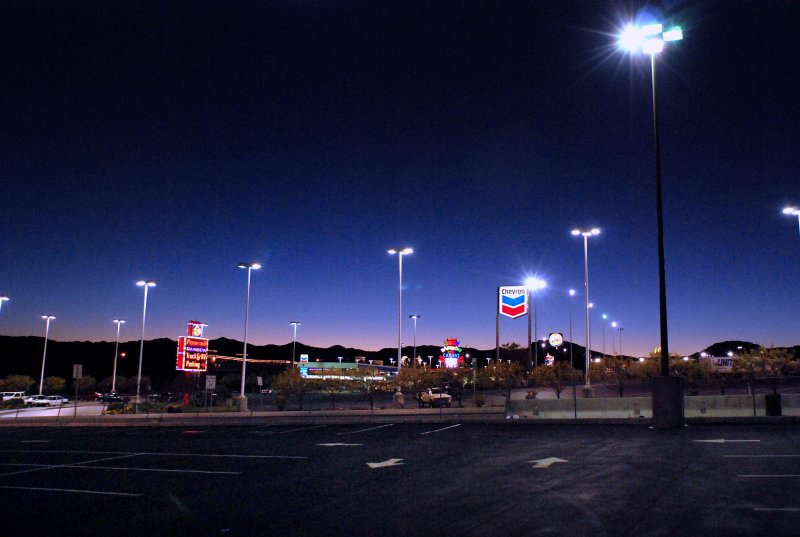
x,y
192,354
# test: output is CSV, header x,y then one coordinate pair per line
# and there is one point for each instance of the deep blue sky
x,y
171,140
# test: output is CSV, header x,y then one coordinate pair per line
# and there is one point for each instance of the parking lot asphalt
x,y
401,479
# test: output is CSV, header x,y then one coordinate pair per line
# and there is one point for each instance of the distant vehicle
x,y
12,395
434,397
37,400
113,398
56,400
164,397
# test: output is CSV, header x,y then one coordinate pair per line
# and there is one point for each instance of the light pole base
x,y
588,392
667,402
241,403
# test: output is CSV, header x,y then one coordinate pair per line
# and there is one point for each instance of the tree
x,y
130,385
54,385
501,376
85,385
17,383
291,383
105,385
557,377
769,363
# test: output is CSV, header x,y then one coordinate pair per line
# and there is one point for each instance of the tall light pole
x,y
242,400
147,284
533,285
415,317
400,252
3,299
47,319
613,344
571,294
294,324
620,329
650,40
605,317
794,211
586,233
118,322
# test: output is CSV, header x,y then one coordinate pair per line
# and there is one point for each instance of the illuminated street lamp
x,y
294,324
242,399
147,284
794,211
650,40
533,285
400,252
586,233
3,299
118,322
47,319
415,317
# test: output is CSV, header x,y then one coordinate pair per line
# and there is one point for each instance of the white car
x,y
37,400
45,400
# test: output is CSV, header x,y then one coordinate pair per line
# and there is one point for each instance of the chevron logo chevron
x,y
511,301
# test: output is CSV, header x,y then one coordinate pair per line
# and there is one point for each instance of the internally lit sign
x,y
556,339
192,349
451,353
512,301
549,360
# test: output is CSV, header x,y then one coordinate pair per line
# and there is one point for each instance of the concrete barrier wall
x,y
624,407
698,406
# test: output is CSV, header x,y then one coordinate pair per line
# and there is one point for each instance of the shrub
x,y
480,400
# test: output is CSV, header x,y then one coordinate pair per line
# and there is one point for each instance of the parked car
x,y
164,397
12,395
434,397
56,400
113,398
37,400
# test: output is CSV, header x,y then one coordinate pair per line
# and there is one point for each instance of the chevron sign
x,y
512,301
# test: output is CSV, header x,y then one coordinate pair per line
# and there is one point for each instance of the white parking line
x,y
769,475
444,429
103,493
760,456
129,453
300,429
82,466
49,467
365,430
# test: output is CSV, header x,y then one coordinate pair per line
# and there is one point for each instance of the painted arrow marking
x,y
724,441
339,444
384,464
546,463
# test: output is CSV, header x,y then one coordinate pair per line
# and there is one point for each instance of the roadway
x,y
509,478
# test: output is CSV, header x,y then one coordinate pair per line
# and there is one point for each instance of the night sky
x,y
172,140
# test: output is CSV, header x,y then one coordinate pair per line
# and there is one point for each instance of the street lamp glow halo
x,y
148,283
51,317
254,266
794,211
535,284
404,251
649,38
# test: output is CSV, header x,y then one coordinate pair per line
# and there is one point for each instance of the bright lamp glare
x,y
631,39
651,29
791,210
535,284
673,34
653,46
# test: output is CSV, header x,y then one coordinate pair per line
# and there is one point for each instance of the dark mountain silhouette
x,y
23,355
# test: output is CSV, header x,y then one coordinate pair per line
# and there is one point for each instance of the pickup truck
x,y
434,397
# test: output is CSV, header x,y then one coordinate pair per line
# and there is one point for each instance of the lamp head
x,y
254,266
535,284
148,283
